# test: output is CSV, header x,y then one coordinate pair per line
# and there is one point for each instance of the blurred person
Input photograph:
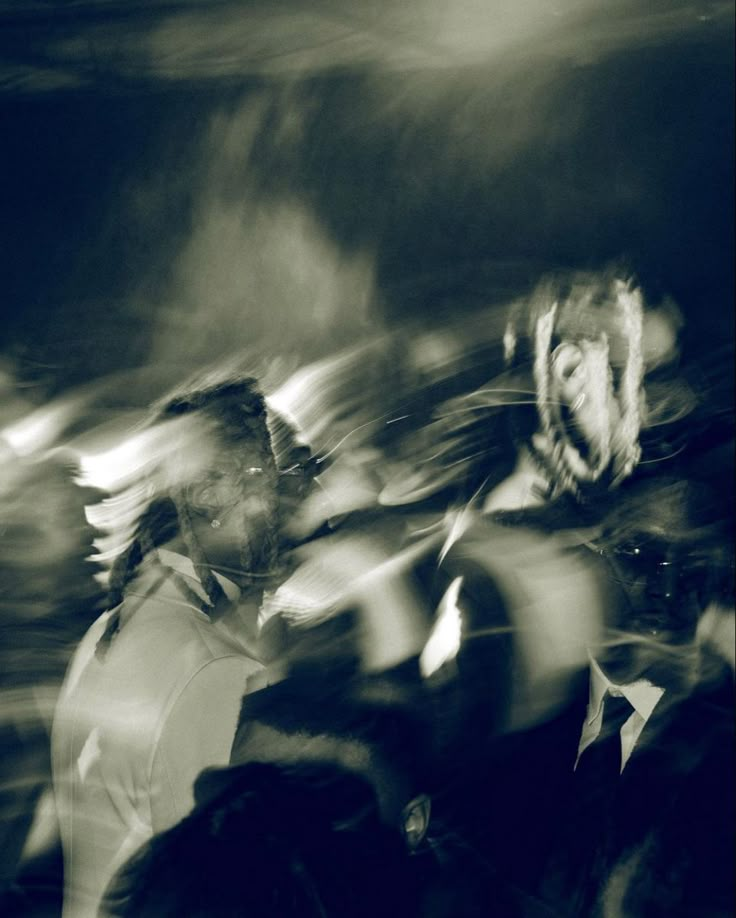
x,y
574,404
551,566
665,840
373,725
587,340
620,800
153,693
379,725
49,598
282,841
578,350
585,809
46,543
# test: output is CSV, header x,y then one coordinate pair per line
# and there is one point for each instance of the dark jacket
x,y
660,841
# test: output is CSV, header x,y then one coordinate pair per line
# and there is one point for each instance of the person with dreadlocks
x,y
152,695
576,595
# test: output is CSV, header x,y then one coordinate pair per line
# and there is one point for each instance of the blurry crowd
x,y
441,625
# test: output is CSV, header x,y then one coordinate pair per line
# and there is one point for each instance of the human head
x,y
44,527
50,594
369,726
660,544
217,486
589,341
227,504
277,841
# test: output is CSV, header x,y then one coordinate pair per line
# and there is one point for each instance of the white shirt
x,y
136,725
642,695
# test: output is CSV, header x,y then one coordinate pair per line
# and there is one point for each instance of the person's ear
x,y
415,820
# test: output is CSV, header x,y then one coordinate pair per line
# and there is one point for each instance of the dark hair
x,y
238,409
282,842
385,714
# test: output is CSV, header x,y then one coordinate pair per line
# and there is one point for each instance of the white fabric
x,y
136,725
642,695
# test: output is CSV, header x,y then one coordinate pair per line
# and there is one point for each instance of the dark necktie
x,y
581,861
600,763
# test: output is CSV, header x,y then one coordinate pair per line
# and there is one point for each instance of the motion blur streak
x,y
223,40
444,641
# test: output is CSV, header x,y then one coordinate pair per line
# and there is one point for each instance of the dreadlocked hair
x,y
632,308
591,310
157,525
238,410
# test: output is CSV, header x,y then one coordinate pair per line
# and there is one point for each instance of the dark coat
x,y
660,843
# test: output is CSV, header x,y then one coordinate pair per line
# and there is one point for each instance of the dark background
x,y
180,179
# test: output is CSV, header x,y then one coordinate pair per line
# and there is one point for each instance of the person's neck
x,y
178,546
527,486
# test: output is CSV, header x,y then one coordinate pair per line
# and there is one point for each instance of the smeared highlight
x,y
587,309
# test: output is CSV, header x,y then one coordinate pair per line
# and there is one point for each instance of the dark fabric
x,y
38,889
659,843
600,763
673,835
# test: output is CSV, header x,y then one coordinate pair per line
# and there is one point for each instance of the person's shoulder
x,y
707,711
147,650
87,651
156,613
169,646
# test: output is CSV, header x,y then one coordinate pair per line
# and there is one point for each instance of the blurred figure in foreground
x,y
317,816
280,842
153,693
49,598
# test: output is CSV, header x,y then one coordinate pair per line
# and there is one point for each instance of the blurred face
x,y
586,408
657,612
229,500
588,386
44,529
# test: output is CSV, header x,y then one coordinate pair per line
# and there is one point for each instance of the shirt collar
x,y
642,695
184,566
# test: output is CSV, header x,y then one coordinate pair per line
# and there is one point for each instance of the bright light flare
x,y
170,451
119,466
40,429
443,644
